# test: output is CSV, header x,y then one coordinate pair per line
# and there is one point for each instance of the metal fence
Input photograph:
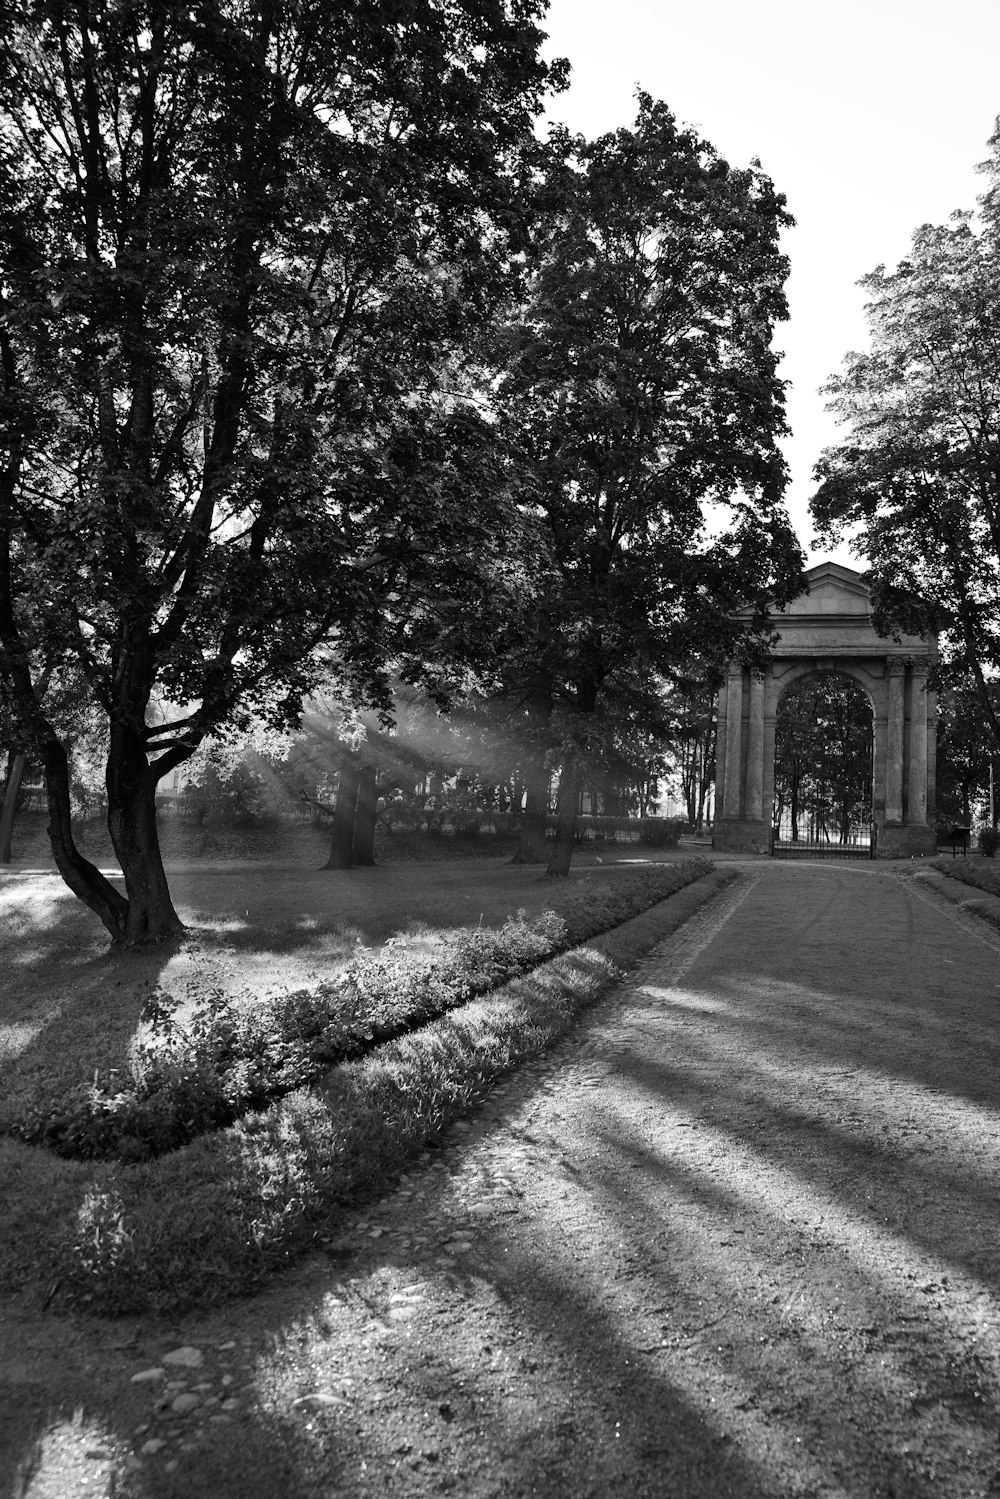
x,y
820,842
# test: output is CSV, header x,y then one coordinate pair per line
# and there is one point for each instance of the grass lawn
x,y
249,1192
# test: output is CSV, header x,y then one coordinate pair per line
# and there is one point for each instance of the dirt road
x,y
738,1236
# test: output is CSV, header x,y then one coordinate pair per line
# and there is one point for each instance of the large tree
x,y
237,243
915,482
641,399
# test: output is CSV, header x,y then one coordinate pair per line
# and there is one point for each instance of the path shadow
x,y
753,1291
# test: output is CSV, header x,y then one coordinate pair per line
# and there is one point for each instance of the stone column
x,y
755,751
896,669
734,744
916,811
878,769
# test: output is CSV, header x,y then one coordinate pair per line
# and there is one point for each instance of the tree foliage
x,y
639,394
916,480
966,750
239,246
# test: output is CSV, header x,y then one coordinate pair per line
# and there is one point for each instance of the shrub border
x,y
216,1218
223,1064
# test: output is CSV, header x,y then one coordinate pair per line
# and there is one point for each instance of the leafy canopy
x,y
916,480
238,242
640,393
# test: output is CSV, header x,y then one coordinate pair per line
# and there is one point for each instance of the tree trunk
x,y
12,790
131,785
434,794
83,878
702,799
569,798
344,817
691,804
533,847
364,821
794,793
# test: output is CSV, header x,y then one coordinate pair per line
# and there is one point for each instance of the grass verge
x,y
975,875
982,873
215,1218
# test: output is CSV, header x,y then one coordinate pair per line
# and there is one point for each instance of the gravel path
x,y
737,1236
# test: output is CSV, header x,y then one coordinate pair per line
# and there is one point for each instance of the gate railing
x,y
861,843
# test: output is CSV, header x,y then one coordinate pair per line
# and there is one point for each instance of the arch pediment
x,y
833,617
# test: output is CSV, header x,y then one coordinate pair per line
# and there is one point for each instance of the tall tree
x,y
641,399
236,243
916,481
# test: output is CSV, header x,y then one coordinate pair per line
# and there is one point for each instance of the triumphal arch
x,y
828,629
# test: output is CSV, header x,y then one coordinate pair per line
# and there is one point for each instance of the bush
x,y
989,839
661,832
229,1059
601,825
245,798
658,832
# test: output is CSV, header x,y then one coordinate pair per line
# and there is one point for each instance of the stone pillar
x,y
734,744
878,768
755,751
894,742
916,811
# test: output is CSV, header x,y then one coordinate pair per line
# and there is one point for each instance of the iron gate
x,y
861,844
832,789
817,841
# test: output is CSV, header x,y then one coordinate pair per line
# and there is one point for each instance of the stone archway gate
x,y
829,629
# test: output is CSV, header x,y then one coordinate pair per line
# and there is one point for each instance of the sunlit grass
x,y
31,906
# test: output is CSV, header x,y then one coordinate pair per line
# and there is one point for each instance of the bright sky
x,y
869,115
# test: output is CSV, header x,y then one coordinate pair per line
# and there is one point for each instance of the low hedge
x,y
230,1059
654,832
971,872
217,1217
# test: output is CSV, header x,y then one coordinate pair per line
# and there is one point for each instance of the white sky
x,y
869,115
